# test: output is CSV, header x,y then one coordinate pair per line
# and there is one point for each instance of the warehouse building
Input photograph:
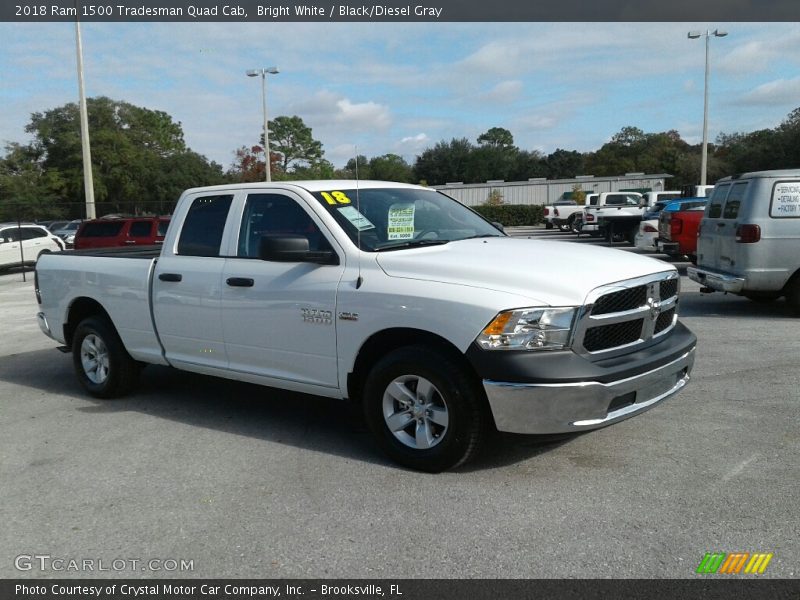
x,y
546,191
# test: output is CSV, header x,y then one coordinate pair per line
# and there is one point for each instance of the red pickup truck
x,y
677,232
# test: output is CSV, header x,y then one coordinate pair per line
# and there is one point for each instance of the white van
x,y
749,238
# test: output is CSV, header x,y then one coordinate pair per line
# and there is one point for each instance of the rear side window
x,y
717,199
205,222
162,228
30,233
105,229
10,235
140,229
734,201
785,200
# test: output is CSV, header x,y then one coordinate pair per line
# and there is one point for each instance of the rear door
x,y
711,227
9,246
187,285
141,232
34,240
279,318
721,225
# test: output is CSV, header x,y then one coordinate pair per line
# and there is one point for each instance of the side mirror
x,y
293,248
499,226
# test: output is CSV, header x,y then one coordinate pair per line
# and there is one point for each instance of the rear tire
x,y
103,366
426,411
548,225
792,290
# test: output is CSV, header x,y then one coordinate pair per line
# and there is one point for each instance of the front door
x,y
280,317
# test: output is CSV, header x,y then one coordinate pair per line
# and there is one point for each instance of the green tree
x,y
445,162
578,194
497,137
27,191
564,164
390,167
140,161
293,140
356,168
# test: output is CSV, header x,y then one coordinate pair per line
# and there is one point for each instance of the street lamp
x,y
263,73
693,35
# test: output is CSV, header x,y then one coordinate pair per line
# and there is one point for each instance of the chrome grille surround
x,y
658,314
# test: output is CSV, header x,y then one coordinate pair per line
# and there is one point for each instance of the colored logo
x,y
733,563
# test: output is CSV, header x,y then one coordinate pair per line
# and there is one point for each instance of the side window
x,y
101,229
734,201
615,200
275,214
203,227
31,233
162,228
715,204
9,235
140,229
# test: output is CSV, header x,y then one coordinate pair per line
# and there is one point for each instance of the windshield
x,y
394,218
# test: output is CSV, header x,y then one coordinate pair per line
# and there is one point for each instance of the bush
x,y
512,215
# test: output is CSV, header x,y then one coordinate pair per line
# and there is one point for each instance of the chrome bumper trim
x,y
44,325
718,281
572,407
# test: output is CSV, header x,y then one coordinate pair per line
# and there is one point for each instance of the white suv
x,y
34,240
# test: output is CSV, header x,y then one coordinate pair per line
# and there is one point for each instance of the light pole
x,y
693,35
88,179
263,72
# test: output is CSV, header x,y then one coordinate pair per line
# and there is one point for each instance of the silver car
x,y
749,238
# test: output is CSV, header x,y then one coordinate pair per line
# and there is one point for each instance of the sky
x,y
402,87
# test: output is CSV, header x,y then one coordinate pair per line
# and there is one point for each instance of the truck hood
x,y
549,273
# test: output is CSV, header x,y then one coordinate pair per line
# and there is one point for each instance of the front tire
x,y
103,366
426,411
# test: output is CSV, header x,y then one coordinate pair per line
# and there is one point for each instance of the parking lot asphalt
x,y
247,481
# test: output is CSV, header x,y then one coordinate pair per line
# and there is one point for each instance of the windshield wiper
x,y
409,244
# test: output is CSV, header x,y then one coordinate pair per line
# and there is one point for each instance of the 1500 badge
x,y
314,315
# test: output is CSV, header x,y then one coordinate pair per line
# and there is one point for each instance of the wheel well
x,y
80,309
383,342
789,282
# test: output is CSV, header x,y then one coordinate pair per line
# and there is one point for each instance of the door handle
x,y
239,282
170,276
130,241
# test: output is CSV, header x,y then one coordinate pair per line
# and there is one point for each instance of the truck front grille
x,y
612,336
620,317
621,301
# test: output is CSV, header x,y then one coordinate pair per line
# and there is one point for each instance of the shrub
x,y
512,215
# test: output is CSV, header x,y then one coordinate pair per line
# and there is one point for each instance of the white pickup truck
x,y
390,295
615,214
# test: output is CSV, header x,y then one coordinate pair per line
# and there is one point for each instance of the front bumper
x,y
565,393
722,282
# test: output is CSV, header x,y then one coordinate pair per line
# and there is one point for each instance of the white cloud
x,y
365,116
505,92
781,92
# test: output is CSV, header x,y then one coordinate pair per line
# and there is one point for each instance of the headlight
x,y
70,238
529,329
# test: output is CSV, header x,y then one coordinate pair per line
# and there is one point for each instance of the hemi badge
x,y
348,316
